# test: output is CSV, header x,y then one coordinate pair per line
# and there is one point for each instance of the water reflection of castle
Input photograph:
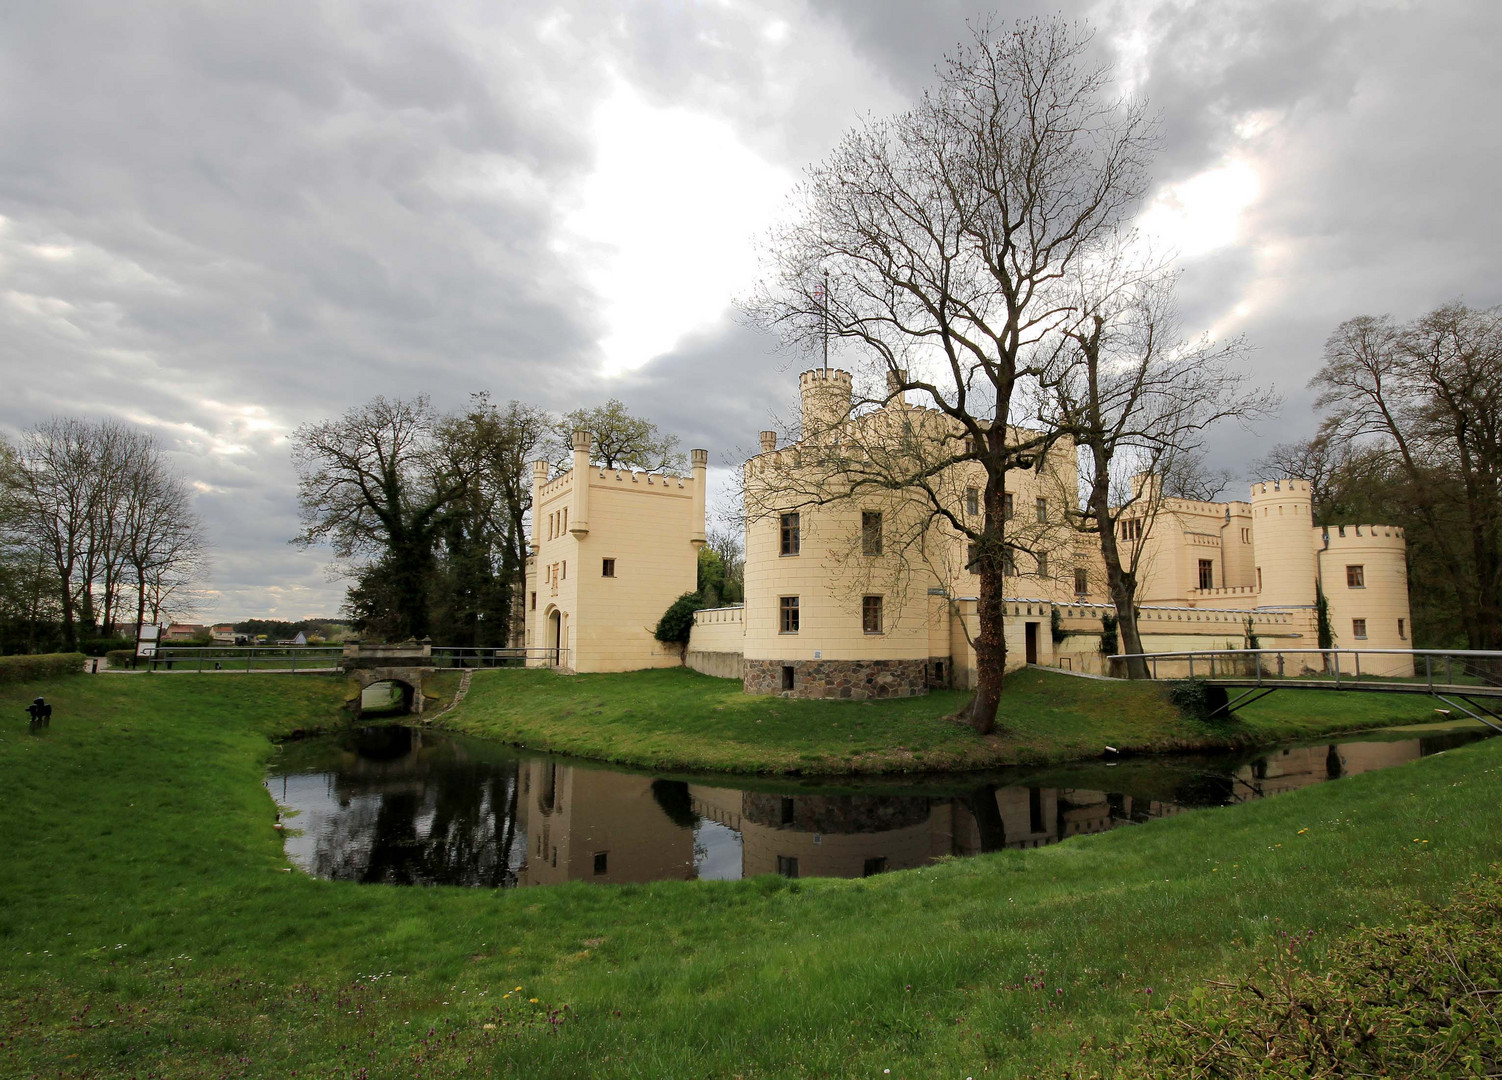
x,y
591,825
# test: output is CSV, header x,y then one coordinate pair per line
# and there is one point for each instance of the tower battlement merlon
x,y
824,396
700,459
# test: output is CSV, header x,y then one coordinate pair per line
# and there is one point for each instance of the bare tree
x,y
1137,399
1426,397
373,483
933,242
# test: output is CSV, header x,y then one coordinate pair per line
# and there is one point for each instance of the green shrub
x,y
1197,699
676,622
1423,999
1109,643
41,666
121,658
103,645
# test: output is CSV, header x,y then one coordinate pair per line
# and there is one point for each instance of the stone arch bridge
x,y
407,665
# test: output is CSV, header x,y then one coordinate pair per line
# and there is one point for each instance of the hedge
x,y
41,666
121,658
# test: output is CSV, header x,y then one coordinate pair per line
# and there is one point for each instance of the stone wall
x,y
722,665
856,680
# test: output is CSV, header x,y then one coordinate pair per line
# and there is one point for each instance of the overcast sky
x,y
223,221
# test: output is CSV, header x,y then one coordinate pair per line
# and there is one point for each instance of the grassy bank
x,y
679,719
148,924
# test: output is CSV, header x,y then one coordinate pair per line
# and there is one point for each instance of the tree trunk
x,y
990,638
1121,585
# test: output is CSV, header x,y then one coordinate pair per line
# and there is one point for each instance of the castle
x,y
860,592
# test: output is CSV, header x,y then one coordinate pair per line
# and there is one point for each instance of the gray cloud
x,y
223,222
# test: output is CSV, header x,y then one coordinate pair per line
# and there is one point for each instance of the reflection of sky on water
x,y
717,852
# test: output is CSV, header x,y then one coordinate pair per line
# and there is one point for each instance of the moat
x,y
402,805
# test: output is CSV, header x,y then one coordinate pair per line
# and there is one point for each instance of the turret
x,y
1283,543
701,469
825,396
539,478
578,523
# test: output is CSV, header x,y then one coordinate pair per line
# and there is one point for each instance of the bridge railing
x,y
456,656
268,658
1446,668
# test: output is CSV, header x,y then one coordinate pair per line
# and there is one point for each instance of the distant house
x,y
224,634
184,631
300,639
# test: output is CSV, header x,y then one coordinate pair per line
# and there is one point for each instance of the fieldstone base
x,y
856,680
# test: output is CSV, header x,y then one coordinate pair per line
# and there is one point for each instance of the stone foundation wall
x,y
856,680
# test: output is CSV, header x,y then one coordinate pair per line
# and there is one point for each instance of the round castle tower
x,y
1366,583
1283,543
825,395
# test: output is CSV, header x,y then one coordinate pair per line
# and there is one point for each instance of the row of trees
x,y
96,527
428,513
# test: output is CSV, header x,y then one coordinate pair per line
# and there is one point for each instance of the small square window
x,y
602,860
1356,577
791,541
1358,628
787,615
871,614
787,865
607,568
871,532
1042,510
972,501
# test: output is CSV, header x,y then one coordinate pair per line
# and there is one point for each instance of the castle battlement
x,y
1363,536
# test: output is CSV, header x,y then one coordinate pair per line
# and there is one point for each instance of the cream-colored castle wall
x,y
1382,553
1281,526
651,525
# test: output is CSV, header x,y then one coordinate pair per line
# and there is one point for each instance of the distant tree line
x,y
428,514
1412,436
96,529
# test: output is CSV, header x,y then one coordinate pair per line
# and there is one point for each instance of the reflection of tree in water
x,y
425,822
674,800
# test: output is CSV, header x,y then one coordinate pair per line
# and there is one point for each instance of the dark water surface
x,y
411,806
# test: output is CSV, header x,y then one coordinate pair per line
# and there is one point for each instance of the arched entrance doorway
x,y
553,639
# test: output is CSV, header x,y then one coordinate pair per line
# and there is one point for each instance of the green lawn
x,y
679,719
149,924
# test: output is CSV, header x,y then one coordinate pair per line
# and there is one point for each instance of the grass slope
x,y
679,719
148,925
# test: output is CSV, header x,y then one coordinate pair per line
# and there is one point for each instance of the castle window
x,y
1008,563
602,860
972,501
1356,577
1131,528
788,807
564,529
1401,634
1358,628
1042,564
874,865
534,601
1081,581
787,622
1042,510
787,865
563,576
1007,506
1246,536
607,568
790,537
1259,579
871,532
1207,573
972,557
871,614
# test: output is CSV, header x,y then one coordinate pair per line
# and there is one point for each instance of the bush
x,y
41,666
1423,999
1108,640
104,645
676,622
1197,699
121,658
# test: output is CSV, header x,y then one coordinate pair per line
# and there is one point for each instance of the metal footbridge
x,y
1466,680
